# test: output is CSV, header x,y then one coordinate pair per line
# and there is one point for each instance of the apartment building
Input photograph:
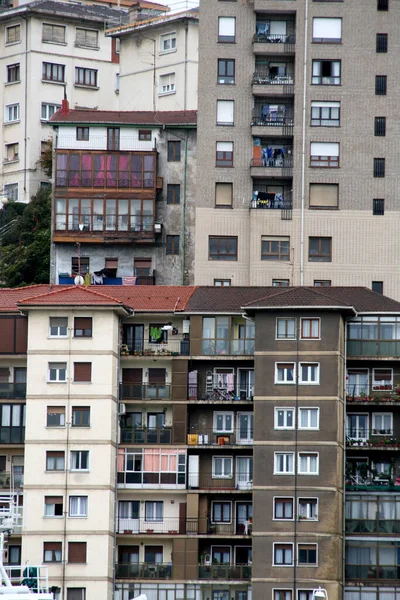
x,y
296,137
159,62
124,196
202,443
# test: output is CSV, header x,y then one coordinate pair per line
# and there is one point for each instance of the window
x,y
283,555
173,193
80,416
154,511
280,283
53,72
309,373
144,135
324,154
320,249
380,85
83,327
52,552
174,151
380,126
307,554
57,372
382,379
378,206
377,286
111,264
157,335
82,134
275,248
222,282
53,506
226,71
308,509
379,167
225,112
285,329
79,460
82,372
222,248
221,512
55,461
283,594
308,418
327,30
226,29
78,506
284,463
322,283
222,467
76,593
223,422
58,326
382,43
325,114
113,135
382,5
11,191
48,110
285,372
55,416
13,73
87,38
308,594
283,508
11,114
308,463
224,154
168,42
11,152
172,246
324,195
167,84
53,33
326,72
13,34
284,418
382,423
310,329
223,195
76,552
86,77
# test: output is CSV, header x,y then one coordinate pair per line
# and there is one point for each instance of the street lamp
x,y
4,202
320,594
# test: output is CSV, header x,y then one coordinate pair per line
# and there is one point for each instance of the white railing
x,y
99,142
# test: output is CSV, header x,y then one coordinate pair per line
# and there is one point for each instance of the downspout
x,y
184,211
116,460
185,68
25,100
344,461
66,465
154,75
303,148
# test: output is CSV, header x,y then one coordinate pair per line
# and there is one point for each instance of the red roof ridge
x,y
69,290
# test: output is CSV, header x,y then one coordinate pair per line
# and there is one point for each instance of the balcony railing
x,y
190,526
371,572
168,525
12,435
225,572
99,142
13,391
82,224
169,348
141,391
378,439
209,481
370,347
274,163
272,203
144,571
205,526
241,393
262,120
152,479
276,38
65,279
141,435
208,437
264,77
228,347
373,526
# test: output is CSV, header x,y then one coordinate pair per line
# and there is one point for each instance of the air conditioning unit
x,y
122,409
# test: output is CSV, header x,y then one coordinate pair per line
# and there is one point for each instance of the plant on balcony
x,y
156,334
149,530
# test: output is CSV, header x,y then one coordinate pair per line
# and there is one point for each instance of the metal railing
x,y
169,348
142,435
209,481
99,142
33,576
85,223
13,391
144,571
142,391
274,163
364,433
357,389
275,38
216,394
190,526
264,77
167,525
271,204
224,571
208,437
259,119
205,526
228,347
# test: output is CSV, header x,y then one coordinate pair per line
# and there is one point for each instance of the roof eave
x,y
303,307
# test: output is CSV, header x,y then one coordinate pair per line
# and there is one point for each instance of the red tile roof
x,y
72,295
128,117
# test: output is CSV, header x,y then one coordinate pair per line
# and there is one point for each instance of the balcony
x,y
272,167
268,84
274,43
385,526
10,481
208,481
96,228
239,394
99,142
141,435
369,573
279,123
225,572
271,201
227,347
151,391
144,571
205,526
373,336
65,279
167,526
12,435
152,480
207,437
177,347
13,391
376,439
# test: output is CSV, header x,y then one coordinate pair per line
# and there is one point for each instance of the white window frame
x,y
15,156
171,85
286,590
285,409
9,190
78,460
52,516
379,429
286,455
168,36
57,380
153,518
309,455
57,335
80,514
274,564
15,107
308,426
311,336
321,25
286,321
277,499
376,383
285,381
48,105
227,29
224,415
223,458
316,555
308,502
226,109
309,366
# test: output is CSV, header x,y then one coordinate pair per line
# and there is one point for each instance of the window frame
x,y
173,198
51,39
58,370
308,427
319,256
232,255
379,167
285,410
153,504
48,106
59,412
286,546
380,85
307,455
285,471
382,43
322,282
80,409
232,105
54,504
277,592
311,320
13,73
320,118
307,547
73,544
308,500
15,108
285,500
286,336
50,454
226,39
53,552
224,415
80,514
82,134
222,458
83,45
168,81
222,503
58,327
86,333
77,457
280,255
163,37
380,126
378,386
222,282
17,39
225,79
53,67
172,245
329,40
83,74
318,79
144,135
285,381
380,430
224,158
174,151
378,206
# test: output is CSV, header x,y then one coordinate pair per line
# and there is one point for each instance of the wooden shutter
x,y
132,376
86,37
4,375
83,371
82,326
324,194
76,593
223,194
157,376
77,552
54,546
53,500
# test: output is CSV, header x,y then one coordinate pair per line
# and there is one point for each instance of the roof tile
x,y
129,117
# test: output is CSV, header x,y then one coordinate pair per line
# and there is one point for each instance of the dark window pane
x,y
380,85
380,126
381,42
378,206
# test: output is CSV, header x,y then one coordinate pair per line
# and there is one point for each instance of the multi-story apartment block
x,y
159,62
203,443
296,137
123,196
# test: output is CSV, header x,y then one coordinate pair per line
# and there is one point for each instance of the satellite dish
x,y
79,280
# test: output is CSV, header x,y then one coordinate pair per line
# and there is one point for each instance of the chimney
x,y
64,106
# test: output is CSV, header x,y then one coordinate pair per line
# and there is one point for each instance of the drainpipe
x,y
186,68
303,149
184,211
25,100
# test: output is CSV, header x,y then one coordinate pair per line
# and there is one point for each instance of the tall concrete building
x,y
298,143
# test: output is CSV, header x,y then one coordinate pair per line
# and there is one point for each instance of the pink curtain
x,y
123,171
121,461
86,170
99,170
